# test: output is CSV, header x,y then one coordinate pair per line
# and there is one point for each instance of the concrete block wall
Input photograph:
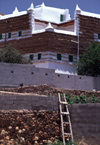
x,y
85,120
16,74
30,102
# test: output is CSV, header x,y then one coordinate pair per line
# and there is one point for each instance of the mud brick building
x,y
49,37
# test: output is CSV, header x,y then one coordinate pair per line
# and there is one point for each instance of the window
x,y
61,17
58,56
39,56
96,37
0,36
31,57
70,58
99,36
9,35
19,33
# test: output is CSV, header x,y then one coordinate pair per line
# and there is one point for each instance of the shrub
x,y
11,55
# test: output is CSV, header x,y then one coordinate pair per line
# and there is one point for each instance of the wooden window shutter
x,y
31,56
0,36
39,56
61,17
70,58
20,33
9,35
58,56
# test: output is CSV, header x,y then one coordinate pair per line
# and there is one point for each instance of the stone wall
x,y
16,74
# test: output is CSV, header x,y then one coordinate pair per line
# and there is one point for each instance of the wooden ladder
x,y
64,112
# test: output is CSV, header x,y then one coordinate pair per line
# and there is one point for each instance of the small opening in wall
x,y
46,74
58,75
80,77
68,76
11,71
32,73
21,84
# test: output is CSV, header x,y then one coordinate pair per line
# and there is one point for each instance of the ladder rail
x,y
69,120
61,120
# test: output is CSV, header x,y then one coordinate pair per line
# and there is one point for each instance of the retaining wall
x,y
17,102
85,118
16,74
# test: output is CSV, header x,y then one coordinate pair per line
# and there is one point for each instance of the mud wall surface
x,y
16,74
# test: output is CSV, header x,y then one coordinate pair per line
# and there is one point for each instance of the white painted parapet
x,y
31,17
76,26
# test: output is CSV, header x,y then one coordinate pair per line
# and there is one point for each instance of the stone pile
x,y
32,127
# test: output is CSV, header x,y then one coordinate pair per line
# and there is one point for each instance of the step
x,y
65,122
65,113
67,134
61,102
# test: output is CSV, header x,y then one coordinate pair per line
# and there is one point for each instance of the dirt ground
x,y
46,90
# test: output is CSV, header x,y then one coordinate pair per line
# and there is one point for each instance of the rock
x,y
36,143
52,138
49,142
36,138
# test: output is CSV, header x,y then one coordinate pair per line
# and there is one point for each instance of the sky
x,y
8,6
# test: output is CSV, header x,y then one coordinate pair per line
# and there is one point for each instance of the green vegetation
x,y
11,55
94,99
89,63
81,99
61,143
67,143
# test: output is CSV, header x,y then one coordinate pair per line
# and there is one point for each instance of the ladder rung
x,y
65,113
61,102
65,122
67,134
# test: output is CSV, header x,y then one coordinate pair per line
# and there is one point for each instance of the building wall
x,y
50,60
16,74
51,14
59,67
43,25
46,41
67,28
88,27
15,23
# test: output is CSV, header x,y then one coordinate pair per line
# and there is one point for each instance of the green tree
x,y
11,55
89,63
